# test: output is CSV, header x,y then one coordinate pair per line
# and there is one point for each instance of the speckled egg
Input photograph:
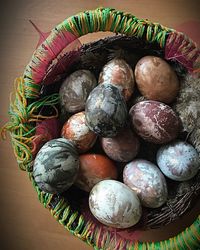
x,y
76,130
123,147
56,166
147,181
114,204
178,160
156,79
105,110
119,73
75,90
155,121
93,169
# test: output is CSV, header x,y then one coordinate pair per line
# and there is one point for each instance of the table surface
x,y
24,223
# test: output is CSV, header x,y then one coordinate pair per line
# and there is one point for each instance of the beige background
x,y
24,223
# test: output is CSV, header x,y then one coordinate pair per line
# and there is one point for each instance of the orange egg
x,y
120,74
76,130
93,169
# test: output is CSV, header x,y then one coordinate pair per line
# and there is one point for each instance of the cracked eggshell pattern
x,y
119,73
93,169
56,166
179,161
105,110
147,181
75,90
76,130
123,147
155,121
156,79
114,204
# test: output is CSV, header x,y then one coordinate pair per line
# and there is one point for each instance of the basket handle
x,y
101,19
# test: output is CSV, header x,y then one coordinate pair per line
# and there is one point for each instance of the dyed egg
x,y
123,147
56,166
76,130
156,80
147,181
114,204
93,169
105,110
178,160
75,90
119,73
154,121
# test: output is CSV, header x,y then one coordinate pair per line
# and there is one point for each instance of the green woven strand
x,y
80,225
88,21
31,90
50,100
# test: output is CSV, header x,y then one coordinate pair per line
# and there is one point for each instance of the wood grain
x,y
24,223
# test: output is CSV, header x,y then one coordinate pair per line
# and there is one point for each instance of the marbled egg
x,y
56,166
76,130
119,73
105,110
178,160
114,204
155,121
93,169
156,79
123,147
147,181
75,90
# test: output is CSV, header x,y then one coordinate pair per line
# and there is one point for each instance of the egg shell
x,y
178,160
56,166
105,110
123,147
119,73
75,90
93,169
155,121
114,204
76,130
156,79
147,181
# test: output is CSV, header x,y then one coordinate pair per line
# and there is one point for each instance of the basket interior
x,y
93,56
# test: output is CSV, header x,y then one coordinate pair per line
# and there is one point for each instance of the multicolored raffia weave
x,y
26,112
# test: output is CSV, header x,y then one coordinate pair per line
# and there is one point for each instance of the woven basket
x,y
36,102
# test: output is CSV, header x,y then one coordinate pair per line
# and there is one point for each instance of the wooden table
x,y
24,223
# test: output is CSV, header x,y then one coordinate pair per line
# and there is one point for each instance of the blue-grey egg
x,y
178,160
56,166
105,110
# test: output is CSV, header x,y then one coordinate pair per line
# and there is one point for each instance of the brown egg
x,y
123,147
156,80
75,90
76,130
154,121
93,169
120,74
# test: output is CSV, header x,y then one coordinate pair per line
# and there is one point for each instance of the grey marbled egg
x,y
105,110
178,160
56,166
75,90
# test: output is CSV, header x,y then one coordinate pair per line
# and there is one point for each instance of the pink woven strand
x,y
51,44
46,130
180,48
